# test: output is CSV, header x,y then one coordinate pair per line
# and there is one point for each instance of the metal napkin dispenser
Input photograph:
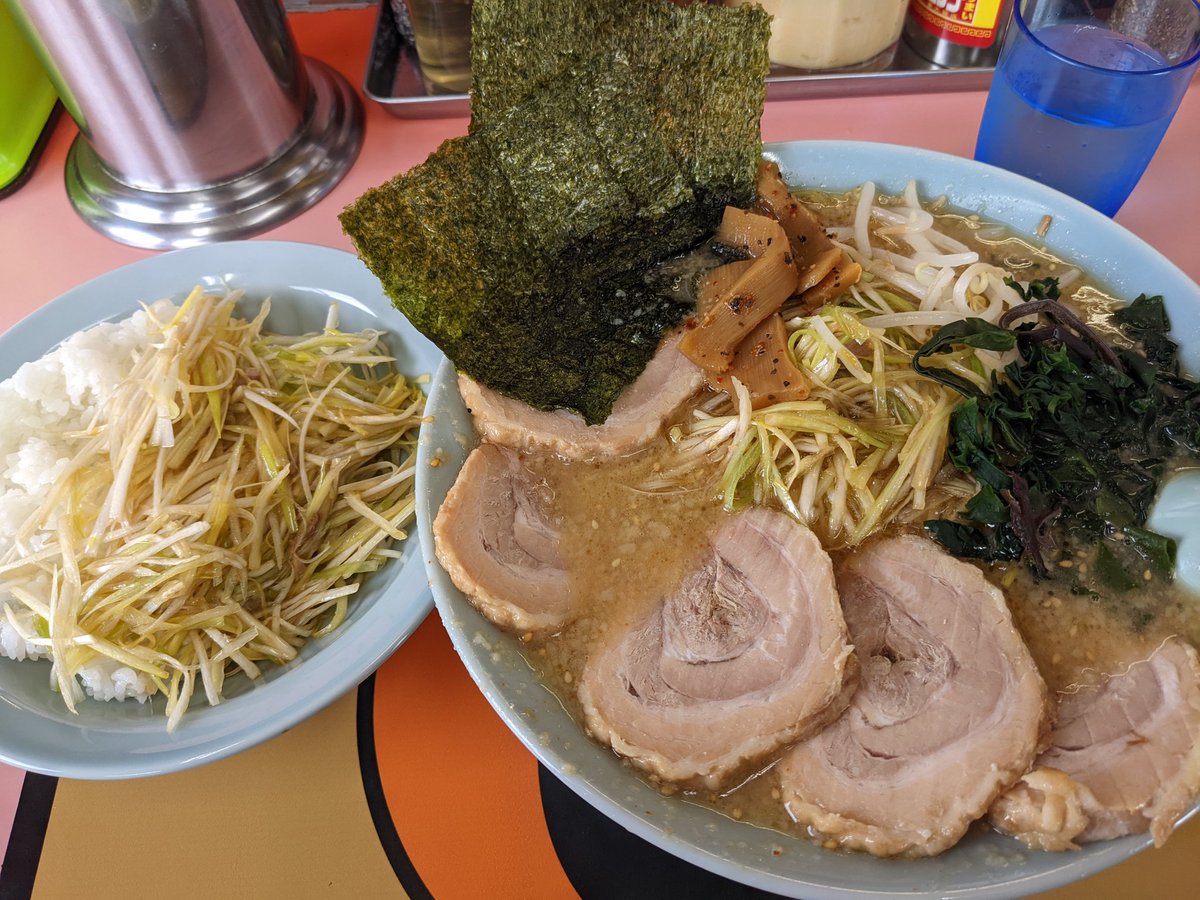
x,y
198,119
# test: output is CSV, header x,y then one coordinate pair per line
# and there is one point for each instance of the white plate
x,y
983,864
125,740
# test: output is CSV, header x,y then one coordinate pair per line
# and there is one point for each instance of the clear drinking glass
x,y
1084,91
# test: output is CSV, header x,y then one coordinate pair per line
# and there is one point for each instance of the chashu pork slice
x,y
497,537
745,656
950,710
669,380
1124,758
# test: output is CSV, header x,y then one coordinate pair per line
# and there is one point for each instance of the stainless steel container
x,y
198,119
956,34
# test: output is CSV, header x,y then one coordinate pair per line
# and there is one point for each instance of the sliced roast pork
x,y
950,710
1124,758
498,538
746,655
637,418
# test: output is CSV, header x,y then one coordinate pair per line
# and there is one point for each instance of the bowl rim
x,y
1010,199
330,669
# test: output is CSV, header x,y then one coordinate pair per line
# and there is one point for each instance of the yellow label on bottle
x,y
970,22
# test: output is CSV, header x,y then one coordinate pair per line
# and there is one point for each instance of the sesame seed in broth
x,y
626,548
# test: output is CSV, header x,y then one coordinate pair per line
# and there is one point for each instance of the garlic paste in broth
x,y
626,548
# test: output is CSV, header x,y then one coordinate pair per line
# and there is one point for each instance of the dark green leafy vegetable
x,y
1068,447
606,135
1111,572
968,542
1156,550
1038,289
968,333
971,447
986,507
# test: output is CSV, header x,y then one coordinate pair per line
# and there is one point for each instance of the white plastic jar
x,y
833,34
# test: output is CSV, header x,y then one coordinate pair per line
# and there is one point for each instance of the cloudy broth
x,y
626,548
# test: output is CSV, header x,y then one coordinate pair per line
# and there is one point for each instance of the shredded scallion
x,y
225,505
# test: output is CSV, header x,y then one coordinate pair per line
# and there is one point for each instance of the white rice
x,y
16,622
107,679
43,407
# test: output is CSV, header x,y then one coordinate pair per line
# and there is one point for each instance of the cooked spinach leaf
x,y
967,333
1156,550
1111,572
1038,289
1069,444
968,542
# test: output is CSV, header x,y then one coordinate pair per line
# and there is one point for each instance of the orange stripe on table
x,y
462,791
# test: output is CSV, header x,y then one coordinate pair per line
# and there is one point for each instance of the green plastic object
x,y
26,99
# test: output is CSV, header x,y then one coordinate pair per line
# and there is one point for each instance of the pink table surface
x,y
45,249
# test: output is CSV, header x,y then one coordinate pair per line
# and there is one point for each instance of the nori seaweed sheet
x,y
605,135
626,128
711,111
702,68
562,182
517,46
442,236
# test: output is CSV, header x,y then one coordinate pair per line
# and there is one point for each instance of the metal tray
x,y
394,79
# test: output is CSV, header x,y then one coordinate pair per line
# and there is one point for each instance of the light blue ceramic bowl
x,y
983,864
124,740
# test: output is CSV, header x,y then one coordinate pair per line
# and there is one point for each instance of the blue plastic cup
x,y
1084,91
